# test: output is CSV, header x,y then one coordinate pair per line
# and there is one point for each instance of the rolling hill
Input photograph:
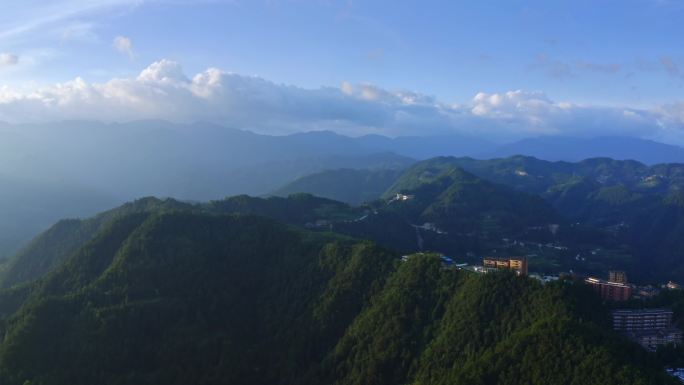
x,y
459,202
177,297
632,209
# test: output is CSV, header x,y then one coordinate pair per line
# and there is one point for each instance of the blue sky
x,y
602,58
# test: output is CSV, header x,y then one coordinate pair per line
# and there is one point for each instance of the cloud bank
x,y
163,91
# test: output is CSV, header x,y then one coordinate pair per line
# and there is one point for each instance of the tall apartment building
x,y
649,327
617,276
641,319
517,264
611,291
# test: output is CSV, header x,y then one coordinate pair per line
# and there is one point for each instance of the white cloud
x,y
534,112
163,91
8,59
124,45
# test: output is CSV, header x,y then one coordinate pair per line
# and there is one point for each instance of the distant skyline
x,y
499,70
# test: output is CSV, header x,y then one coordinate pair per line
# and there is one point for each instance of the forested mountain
x,y
52,247
426,147
199,161
177,297
281,290
205,161
641,205
459,202
76,169
632,212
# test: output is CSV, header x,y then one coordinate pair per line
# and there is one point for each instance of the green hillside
x,y
179,297
461,202
49,249
614,214
640,205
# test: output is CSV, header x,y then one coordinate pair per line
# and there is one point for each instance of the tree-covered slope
x,y
190,298
642,206
50,248
187,297
297,209
458,201
435,326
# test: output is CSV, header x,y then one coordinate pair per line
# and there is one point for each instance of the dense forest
x,y
174,295
309,290
611,213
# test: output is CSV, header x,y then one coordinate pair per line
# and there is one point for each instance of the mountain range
x,y
610,213
165,292
310,290
587,217
44,178
556,148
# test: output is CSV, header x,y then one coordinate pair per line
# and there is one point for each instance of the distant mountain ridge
x,y
555,148
345,185
115,163
76,169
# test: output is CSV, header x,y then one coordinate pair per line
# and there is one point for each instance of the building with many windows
x,y
517,264
651,328
617,276
653,339
612,291
641,319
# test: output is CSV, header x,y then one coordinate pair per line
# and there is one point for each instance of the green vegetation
x,y
460,202
282,291
297,209
174,297
189,298
639,205
54,246
613,214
